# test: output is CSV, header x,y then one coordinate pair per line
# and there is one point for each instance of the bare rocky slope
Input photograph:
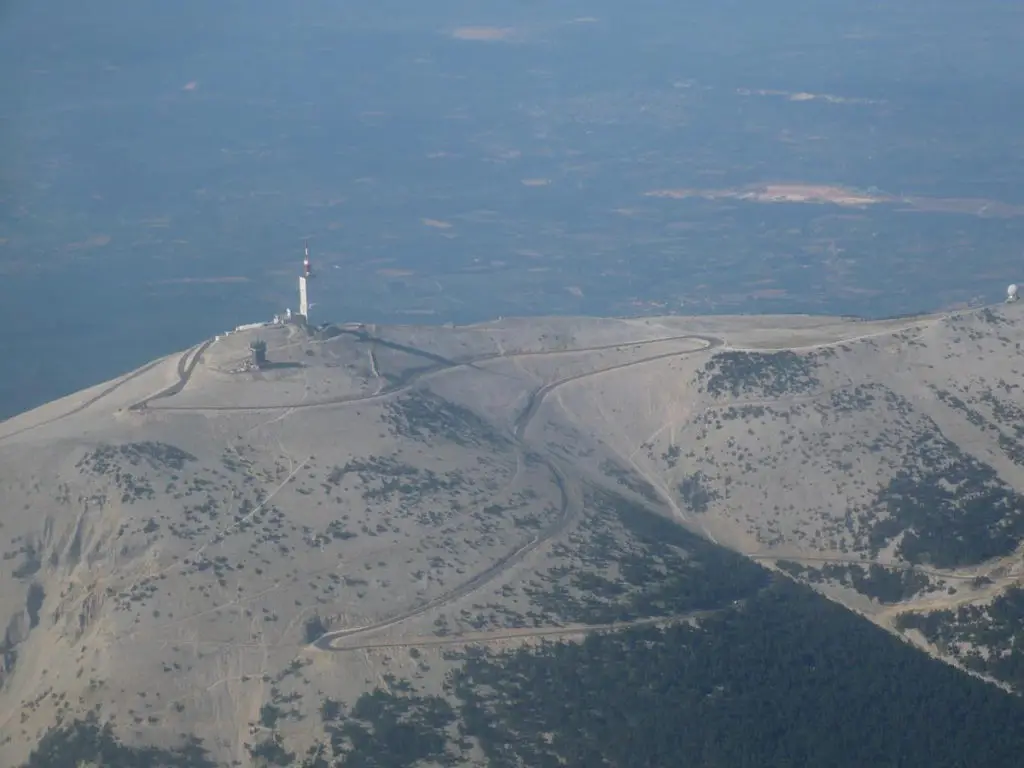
x,y
200,548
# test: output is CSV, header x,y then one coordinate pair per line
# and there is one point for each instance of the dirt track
x,y
185,368
525,633
117,384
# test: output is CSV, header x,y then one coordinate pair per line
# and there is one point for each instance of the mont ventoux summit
x,y
732,540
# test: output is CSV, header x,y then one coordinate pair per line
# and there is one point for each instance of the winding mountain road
x,y
441,365
844,560
186,366
571,505
536,397
524,633
569,487
117,384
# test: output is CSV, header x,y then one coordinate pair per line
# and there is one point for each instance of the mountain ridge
x,y
379,490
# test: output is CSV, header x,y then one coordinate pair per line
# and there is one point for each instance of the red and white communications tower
x,y
307,273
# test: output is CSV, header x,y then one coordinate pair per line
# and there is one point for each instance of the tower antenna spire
x,y
307,272
307,266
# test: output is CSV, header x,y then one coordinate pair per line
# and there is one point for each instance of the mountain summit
x,y
309,558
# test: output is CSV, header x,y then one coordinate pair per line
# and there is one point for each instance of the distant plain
x,y
160,170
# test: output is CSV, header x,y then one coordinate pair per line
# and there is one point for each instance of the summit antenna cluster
x,y
298,318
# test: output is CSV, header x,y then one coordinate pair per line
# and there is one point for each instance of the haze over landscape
x,y
657,374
